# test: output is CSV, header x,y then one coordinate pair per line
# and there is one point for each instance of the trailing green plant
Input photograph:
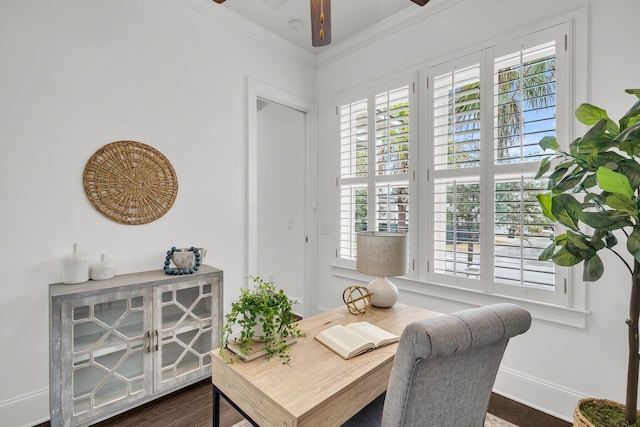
x,y
595,195
264,306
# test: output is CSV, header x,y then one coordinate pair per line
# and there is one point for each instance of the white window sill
x,y
548,312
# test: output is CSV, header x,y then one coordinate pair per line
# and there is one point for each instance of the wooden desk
x,y
319,388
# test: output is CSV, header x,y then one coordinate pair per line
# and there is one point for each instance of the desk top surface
x,y
317,377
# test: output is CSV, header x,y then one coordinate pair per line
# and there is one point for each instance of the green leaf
x,y
613,182
590,181
633,243
545,164
593,269
611,240
590,115
630,116
606,220
631,169
547,253
623,204
566,209
565,258
569,181
556,175
577,240
635,92
545,203
549,143
631,134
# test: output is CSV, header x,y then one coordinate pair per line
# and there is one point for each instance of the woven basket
x,y
130,182
579,419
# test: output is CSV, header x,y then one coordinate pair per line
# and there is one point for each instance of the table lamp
x,y
382,254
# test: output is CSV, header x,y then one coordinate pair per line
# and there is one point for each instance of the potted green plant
x,y
595,195
265,317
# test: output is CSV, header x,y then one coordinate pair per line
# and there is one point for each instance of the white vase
x,y
75,267
102,270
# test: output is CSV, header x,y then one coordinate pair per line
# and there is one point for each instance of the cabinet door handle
x,y
157,339
148,341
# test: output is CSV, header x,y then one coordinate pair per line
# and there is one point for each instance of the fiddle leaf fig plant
x,y
264,316
595,195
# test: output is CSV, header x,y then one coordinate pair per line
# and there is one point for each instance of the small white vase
x,y
75,267
102,270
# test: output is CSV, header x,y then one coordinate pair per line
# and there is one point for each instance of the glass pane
x,y
354,139
392,212
353,217
392,132
525,103
456,120
457,227
521,233
108,353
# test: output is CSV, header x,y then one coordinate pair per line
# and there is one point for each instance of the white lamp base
x,y
385,293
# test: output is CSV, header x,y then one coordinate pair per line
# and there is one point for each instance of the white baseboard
x,y
546,397
27,410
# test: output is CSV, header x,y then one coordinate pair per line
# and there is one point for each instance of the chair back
x,y
445,366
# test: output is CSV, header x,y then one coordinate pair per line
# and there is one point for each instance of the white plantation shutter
x,y
524,95
354,139
392,132
457,227
374,182
456,107
353,217
456,118
525,102
521,232
392,207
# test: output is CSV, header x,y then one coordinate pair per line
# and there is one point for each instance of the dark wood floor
x,y
192,407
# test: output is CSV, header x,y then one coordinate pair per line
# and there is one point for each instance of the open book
x,y
355,338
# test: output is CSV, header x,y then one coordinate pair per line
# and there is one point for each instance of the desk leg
x,y
217,394
216,407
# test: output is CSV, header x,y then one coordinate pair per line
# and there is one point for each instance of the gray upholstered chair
x,y
445,368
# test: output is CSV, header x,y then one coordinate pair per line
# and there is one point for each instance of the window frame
x,y
372,180
569,305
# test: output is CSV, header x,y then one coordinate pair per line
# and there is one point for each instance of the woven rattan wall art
x,y
130,182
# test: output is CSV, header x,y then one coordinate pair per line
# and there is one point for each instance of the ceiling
x,y
291,19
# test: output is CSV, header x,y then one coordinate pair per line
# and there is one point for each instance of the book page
x,y
378,336
343,341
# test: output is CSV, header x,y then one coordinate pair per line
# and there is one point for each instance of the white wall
x,y
76,75
552,365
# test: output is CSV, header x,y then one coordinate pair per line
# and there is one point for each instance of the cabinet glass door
x,y
185,331
107,365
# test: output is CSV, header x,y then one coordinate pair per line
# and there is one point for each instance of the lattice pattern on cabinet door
x,y
186,334
108,363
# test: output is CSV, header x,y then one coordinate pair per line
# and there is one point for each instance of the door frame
x,y
262,91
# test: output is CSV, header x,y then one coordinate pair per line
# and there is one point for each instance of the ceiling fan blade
x,y
320,22
418,2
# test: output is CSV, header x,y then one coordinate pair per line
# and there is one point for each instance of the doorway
x,y
282,192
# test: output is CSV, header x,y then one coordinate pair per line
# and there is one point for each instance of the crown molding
x,y
250,28
390,25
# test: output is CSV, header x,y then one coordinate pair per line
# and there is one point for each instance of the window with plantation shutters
x,y
488,112
524,112
456,165
449,155
374,183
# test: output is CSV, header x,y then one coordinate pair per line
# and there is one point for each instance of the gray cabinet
x,y
118,343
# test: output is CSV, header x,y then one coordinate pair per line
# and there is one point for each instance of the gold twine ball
x,y
357,299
